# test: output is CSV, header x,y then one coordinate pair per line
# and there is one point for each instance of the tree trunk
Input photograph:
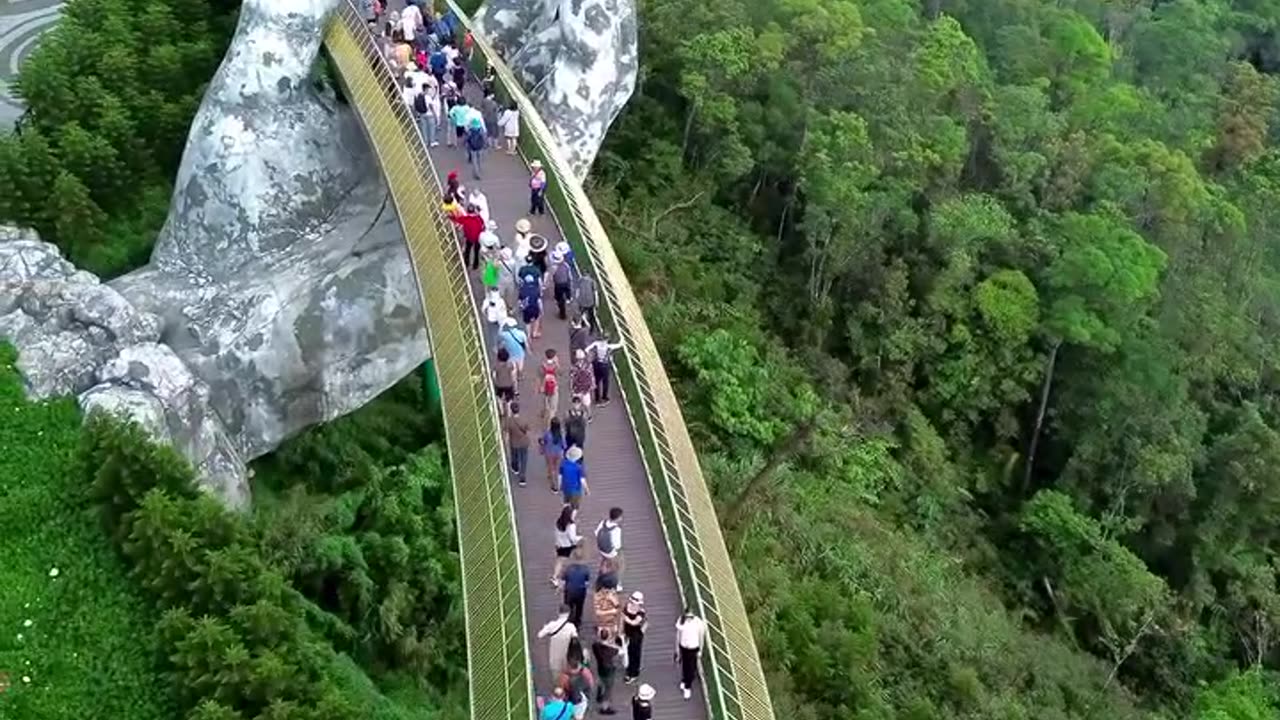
x,y
688,133
782,452
1030,462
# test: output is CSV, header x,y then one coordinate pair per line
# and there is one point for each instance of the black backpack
x,y
475,139
420,103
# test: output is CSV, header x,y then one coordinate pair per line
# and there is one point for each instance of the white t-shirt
x,y
409,93
490,241
419,78
510,123
495,308
410,20
451,53
600,350
615,530
481,201
568,537
691,633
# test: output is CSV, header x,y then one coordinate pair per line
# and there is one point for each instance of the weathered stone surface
x,y
580,58
279,293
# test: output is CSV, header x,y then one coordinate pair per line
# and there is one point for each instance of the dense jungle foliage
x,y
973,305
337,596
110,93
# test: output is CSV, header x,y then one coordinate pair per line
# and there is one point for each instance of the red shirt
x,y
472,225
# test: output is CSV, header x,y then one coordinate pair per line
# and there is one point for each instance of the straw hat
x,y
574,454
537,243
646,692
523,225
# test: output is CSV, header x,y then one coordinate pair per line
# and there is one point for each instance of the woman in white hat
x,y
524,229
634,624
642,703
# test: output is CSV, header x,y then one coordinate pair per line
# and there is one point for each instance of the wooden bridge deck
x,y
616,474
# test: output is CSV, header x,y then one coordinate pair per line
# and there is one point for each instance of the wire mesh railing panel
x,y
736,685
497,647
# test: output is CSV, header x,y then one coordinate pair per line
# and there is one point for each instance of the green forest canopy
x,y
969,303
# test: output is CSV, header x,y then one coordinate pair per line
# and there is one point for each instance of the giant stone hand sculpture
x,y
577,60
279,293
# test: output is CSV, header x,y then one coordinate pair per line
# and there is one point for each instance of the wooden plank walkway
x,y
616,474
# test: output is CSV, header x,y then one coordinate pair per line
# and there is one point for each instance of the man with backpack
x,y
531,305
609,543
477,141
600,351
561,282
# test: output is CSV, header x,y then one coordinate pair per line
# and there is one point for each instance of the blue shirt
x,y
576,579
570,478
458,114
513,339
556,710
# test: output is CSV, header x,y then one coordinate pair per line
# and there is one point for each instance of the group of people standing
x,y
421,49
519,278
617,643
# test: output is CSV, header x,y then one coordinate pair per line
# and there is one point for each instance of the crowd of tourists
x,y
525,276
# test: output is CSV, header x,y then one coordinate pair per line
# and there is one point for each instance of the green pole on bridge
x,y
432,384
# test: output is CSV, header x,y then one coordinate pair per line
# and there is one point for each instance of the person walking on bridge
x,y
537,188
472,226
477,141
576,579
641,703
634,624
550,386
587,301
518,440
691,635
567,541
553,449
556,707
458,117
516,343
582,382
573,477
509,121
559,632
575,425
608,652
609,542
601,353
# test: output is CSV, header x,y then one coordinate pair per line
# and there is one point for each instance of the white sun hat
x,y
646,692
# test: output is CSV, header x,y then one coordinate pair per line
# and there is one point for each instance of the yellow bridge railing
x,y
497,648
734,679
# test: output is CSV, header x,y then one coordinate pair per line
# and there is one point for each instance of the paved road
x,y
21,24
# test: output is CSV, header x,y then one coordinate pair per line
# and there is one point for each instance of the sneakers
x,y
630,680
522,482
603,403
686,692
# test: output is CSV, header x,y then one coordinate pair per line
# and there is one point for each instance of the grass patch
x,y
88,650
